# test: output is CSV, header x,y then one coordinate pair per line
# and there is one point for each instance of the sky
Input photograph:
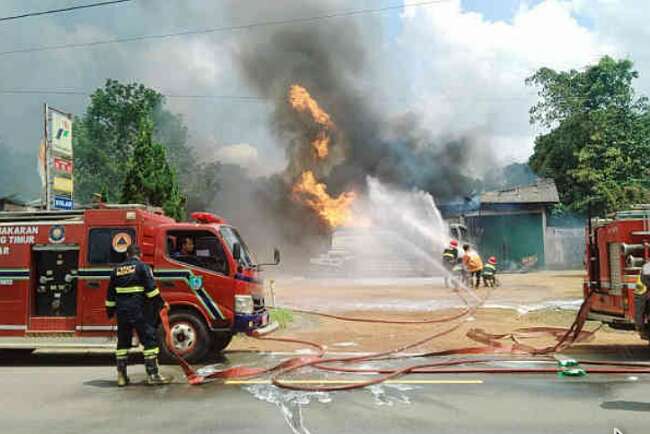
x,y
459,65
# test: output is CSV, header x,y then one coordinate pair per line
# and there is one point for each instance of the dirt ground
x,y
523,300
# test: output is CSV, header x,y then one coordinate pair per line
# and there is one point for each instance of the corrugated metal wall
x,y
513,238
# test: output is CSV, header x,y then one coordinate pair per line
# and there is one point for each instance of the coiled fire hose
x,y
493,345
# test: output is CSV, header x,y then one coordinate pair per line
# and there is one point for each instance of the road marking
x,y
246,382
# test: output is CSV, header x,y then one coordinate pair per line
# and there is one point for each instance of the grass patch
x,y
283,316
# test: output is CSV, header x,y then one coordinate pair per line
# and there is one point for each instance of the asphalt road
x,y
53,393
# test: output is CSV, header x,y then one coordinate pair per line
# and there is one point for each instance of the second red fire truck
x,y
617,249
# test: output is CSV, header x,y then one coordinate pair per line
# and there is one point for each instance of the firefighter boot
x,y
122,378
153,376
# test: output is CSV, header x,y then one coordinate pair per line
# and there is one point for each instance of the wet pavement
x,y
74,393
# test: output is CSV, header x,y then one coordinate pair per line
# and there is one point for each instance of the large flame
x,y
335,211
301,100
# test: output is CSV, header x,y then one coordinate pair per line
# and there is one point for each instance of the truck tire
x,y
190,334
220,340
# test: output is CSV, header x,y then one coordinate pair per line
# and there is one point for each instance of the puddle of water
x,y
289,402
390,394
305,351
523,309
405,305
345,344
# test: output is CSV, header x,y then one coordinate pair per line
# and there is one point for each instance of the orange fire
x,y
333,211
301,100
321,145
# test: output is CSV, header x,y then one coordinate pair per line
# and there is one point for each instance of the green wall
x,y
512,237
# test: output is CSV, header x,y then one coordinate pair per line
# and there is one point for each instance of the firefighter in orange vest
x,y
473,265
449,259
132,296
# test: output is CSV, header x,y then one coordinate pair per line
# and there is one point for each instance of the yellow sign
x,y
63,185
121,242
61,130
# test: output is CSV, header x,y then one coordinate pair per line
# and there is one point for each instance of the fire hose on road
x,y
493,345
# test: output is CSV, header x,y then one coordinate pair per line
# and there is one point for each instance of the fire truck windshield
x,y
231,236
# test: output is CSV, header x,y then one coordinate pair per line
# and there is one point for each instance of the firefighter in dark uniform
x,y
134,297
449,259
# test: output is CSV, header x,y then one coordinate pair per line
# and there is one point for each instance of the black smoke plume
x,y
330,60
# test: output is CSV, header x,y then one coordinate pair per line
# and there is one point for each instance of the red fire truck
x,y
55,268
616,250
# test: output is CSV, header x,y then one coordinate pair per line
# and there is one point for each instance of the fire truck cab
x,y
616,250
55,268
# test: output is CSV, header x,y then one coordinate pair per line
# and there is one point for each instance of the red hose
x,y
492,345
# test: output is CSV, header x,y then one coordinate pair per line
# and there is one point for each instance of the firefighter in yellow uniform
x,y
449,260
132,296
489,272
641,300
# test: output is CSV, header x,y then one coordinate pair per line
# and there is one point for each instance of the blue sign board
x,y
61,202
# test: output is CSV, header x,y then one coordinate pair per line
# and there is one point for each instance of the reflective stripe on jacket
x,y
131,285
489,270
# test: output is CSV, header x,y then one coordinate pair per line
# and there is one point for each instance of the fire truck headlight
x,y
244,304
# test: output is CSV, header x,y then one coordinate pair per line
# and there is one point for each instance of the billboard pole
x,y
59,159
47,159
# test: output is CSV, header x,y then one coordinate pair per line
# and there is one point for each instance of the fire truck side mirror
x,y
236,251
276,256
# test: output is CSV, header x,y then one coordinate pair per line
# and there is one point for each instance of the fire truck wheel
x,y
190,336
220,341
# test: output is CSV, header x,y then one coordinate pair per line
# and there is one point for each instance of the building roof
x,y
542,191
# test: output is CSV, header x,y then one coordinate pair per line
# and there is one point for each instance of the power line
x,y
244,98
249,26
252,98
56,11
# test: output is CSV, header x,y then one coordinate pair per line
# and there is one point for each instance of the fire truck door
x,y
106,248
55,288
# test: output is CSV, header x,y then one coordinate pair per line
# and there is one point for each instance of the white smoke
x,y
409,212
392,232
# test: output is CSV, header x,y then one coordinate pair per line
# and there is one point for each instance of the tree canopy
x,y
129,148
596,147
105,137
149,178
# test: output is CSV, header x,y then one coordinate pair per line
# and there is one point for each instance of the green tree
x,y
105,138
149,178
597,147
199,180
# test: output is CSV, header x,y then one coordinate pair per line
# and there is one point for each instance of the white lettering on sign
x,y
6,282
18,230
16,235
